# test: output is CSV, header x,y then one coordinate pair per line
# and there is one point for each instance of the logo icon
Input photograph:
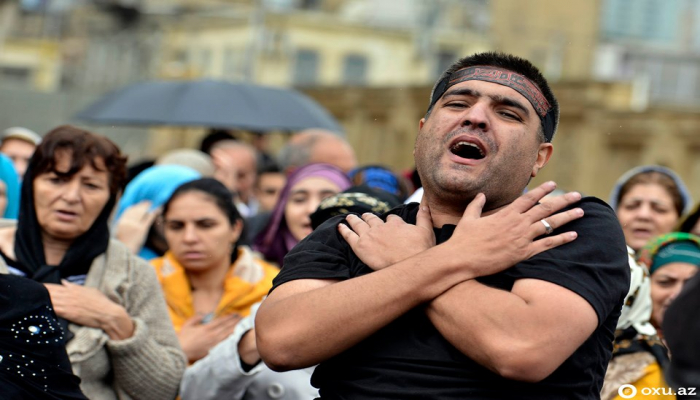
x,y
627,391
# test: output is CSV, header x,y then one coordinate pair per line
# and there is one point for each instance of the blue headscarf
x,y
155,184
11,179
378,177
682,188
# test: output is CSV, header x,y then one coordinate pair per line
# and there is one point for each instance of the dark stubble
x,y
502,180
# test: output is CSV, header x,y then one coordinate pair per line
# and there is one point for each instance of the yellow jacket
x,y
248,281
651,386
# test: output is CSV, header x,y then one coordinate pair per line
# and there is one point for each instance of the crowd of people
x,y
228,273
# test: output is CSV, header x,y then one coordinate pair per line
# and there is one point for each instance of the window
x,y
355,70
306,68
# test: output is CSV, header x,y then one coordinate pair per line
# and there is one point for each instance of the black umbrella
x,y
210,103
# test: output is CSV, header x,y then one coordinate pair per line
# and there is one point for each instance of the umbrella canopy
x,y
209,103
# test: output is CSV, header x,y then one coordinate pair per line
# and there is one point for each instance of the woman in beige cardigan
x,y
118,335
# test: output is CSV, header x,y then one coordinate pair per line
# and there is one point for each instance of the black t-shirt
x,y
410,359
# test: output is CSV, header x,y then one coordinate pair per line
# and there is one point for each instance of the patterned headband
x,y
504,77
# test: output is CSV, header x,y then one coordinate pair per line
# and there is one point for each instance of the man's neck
x,y
442,213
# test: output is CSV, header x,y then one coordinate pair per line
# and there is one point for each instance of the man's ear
x,y
420,126
543,155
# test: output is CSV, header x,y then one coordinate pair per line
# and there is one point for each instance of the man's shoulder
x,y
406,211
599,240
599,225
324,236
597,214
327,240
595,203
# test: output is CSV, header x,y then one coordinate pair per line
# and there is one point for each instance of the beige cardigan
x,y
150,364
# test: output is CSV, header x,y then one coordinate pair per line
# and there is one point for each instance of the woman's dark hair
x,y
655,178
83,147
221,196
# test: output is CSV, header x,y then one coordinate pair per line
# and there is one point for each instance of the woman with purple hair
x,y
290,221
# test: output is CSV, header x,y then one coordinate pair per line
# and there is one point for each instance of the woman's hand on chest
x,y
89,307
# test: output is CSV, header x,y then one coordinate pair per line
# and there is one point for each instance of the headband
x,y
504,77
677,252
654,256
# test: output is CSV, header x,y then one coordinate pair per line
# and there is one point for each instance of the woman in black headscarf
x,y
119,338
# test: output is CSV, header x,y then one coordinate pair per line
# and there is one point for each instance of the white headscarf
x,y
636,310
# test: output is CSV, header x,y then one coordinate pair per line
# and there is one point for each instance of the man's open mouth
x,y
468,150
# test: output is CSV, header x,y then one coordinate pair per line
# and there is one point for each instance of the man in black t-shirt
x,y
478,292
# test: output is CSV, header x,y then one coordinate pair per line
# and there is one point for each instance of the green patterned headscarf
x,y
670,248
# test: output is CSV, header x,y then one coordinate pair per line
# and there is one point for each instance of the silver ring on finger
x,y
547,227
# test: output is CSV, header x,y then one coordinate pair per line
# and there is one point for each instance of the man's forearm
x,y
296,330
514,337
477,320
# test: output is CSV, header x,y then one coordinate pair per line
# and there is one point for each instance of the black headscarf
x,y
33,359
29,246
629,341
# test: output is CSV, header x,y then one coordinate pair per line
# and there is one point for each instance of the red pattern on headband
x,y
504,77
